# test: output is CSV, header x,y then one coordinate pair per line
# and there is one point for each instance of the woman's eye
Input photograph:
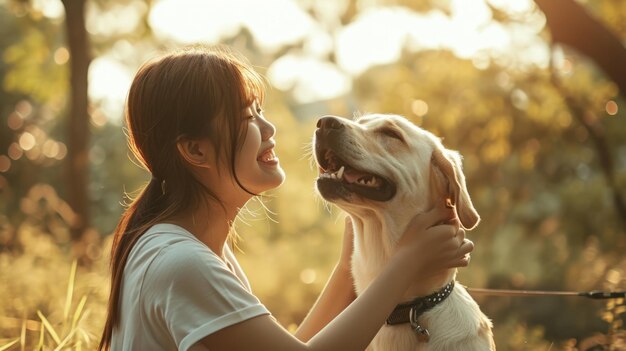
x,y
392,133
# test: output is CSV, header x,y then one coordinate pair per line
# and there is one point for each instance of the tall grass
x,y
49,302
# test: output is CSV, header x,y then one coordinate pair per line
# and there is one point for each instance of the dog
x,y
382,170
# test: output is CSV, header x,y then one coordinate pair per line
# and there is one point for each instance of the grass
x,y
51,303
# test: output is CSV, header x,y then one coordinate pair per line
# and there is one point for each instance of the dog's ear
x,y
447,179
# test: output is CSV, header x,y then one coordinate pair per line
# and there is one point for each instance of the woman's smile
x,y
268,158
258,145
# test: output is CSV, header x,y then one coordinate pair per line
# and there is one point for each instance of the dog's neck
x,y
375,239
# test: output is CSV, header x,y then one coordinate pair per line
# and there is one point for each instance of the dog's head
x,y
384,163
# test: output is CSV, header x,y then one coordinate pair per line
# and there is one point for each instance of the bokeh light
x,y
419,107
5,163
15,121
308,276
24,108
50,148
611,108
61,56
97,118
15,152
62,151
27,141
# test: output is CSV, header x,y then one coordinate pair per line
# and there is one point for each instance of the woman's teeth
x,y
267,156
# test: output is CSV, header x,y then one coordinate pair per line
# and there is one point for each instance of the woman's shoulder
x,y
182,265
174,247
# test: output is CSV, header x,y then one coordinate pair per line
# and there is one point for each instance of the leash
x,y
409,312
596,295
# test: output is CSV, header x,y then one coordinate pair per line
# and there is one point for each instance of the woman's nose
x,y
267,130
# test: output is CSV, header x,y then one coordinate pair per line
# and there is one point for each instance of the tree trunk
x,y
572,25
77,178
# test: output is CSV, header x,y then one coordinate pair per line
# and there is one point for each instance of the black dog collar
x,y
409,312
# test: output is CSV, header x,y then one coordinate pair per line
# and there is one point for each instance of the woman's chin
x,y
276,180
267,181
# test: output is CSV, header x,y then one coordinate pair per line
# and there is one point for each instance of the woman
x,y
195,122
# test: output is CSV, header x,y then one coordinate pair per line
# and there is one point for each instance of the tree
x,y
78,124
572,25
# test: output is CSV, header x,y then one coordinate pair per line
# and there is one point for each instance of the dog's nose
x,y
329,122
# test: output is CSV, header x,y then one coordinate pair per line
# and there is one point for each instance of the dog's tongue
x,y
351,175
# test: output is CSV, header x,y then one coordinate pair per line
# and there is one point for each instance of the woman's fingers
x,y
436,215
466,247
440,214
437,241
461,256
460,235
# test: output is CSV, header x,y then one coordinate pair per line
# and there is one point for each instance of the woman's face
x,y
256,164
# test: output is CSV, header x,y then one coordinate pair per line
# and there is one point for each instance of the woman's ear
x,y
196,152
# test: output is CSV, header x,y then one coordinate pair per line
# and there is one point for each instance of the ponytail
x,y
142,213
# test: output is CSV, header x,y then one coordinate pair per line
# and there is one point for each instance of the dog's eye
x,y
391,133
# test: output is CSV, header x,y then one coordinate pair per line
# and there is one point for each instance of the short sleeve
x,y
191,293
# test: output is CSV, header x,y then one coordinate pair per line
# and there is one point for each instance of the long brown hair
x,y
195,93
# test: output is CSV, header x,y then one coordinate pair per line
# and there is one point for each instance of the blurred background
x,y
527,91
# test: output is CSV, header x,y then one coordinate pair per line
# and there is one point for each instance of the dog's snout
x,y
329,122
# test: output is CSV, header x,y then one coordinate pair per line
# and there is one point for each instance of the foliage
x,y
533,168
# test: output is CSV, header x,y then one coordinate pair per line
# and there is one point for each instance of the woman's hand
x,y
433,242
348,246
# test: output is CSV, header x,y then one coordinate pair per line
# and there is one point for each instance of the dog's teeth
x,y
340,172
329,175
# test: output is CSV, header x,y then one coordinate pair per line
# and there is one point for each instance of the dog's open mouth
x,y
338,179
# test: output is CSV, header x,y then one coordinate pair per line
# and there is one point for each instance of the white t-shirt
x,y
176,291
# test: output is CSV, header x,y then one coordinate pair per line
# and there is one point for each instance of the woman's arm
x,y
427,251
353,329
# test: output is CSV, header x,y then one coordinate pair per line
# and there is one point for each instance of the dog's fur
x,y
414,171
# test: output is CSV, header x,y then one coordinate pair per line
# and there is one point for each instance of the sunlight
x,y
308,78
114,19
513,6
50,8
192,21
109,82
378,35
470,29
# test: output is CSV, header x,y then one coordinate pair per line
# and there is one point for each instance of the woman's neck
x,y
210,223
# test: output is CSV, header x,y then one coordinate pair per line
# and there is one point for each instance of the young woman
x,y
195,122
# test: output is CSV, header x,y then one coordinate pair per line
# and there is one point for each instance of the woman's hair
x,y
194,93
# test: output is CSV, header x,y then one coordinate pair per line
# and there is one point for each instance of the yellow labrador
x,y
383,170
